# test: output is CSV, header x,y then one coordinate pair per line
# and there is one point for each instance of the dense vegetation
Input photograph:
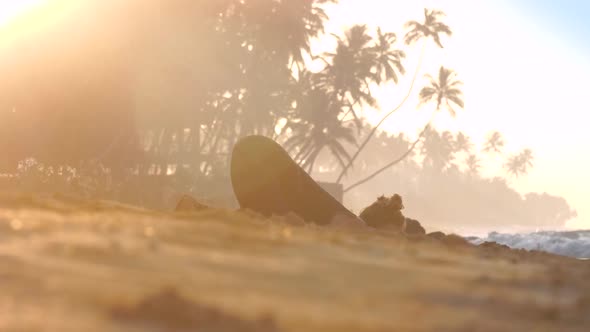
x,y
118,101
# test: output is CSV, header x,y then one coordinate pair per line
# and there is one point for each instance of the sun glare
x,y
13,9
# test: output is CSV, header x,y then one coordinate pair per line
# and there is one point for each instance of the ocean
x,y
567,243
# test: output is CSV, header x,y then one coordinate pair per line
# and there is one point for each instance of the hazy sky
x,y
524,65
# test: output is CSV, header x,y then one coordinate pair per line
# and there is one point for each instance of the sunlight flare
x,y
11,10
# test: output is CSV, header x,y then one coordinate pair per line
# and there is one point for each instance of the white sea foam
x,y
568,243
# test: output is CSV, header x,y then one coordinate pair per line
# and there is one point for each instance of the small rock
x,y
385,212
437,235
413,227
455,240
494,246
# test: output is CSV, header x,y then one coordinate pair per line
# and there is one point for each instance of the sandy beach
x,y
68,265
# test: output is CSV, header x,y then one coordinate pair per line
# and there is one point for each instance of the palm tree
x,y
303,21
526,158
447,95
309,140
513,166
379,150
437,149
519,164
388,61
268,38
348,68
359,61
318,128
387,166
444,90
494,143
473,165
432,27
463,143
280,29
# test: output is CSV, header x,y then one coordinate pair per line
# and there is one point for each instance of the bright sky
x,y
11,9
523,64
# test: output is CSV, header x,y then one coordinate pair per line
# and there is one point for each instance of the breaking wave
x,y
567,243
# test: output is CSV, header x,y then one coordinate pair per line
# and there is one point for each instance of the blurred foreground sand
x,y
69,265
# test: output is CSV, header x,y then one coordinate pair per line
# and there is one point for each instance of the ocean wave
x,y
569,243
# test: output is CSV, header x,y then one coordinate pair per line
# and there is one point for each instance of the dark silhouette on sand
x,y
265,179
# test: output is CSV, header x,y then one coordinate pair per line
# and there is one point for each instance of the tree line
x,y
246,71
170,92
446,184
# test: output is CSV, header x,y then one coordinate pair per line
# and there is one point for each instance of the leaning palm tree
x,y
431,28
494,142
446,92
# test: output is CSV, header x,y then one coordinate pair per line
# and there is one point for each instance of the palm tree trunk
x,y
395,162
374,130
302,156
313,158
398,160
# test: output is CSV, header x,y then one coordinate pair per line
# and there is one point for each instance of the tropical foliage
x,y
172,98
444,91
431,28
494,142
446,186
519,164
